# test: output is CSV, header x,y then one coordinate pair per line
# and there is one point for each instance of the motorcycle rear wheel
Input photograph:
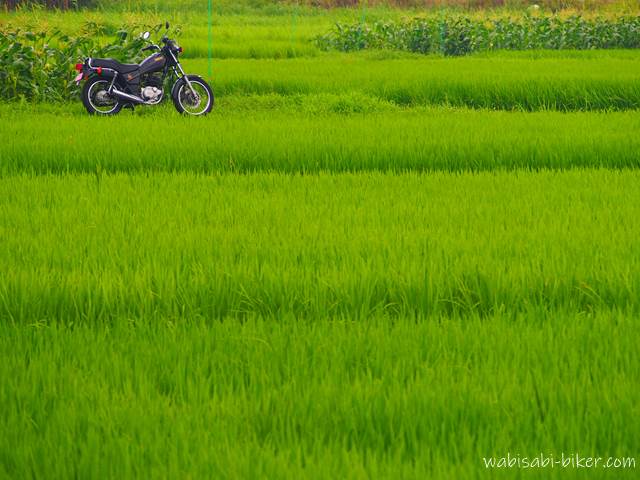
x,y
96,99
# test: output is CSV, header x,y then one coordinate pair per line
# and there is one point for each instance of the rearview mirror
x,y
146,35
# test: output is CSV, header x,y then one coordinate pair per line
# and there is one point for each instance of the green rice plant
x,y
286,140
332,398
85,249
325,278
588,81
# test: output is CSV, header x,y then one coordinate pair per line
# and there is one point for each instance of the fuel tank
x,y
154,63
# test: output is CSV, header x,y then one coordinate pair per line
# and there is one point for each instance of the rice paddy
x,y
276,134
290,398
582,81
360,265
413,245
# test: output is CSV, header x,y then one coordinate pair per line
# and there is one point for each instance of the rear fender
x,y
91,71
99,72
105,75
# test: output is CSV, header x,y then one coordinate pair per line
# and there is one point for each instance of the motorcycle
x,y
111,86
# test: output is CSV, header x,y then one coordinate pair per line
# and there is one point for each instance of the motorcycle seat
x,y
114,65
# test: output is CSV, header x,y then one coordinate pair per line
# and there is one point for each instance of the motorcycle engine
x,y
152,94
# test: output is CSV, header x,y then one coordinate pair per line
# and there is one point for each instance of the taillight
x,y
99,70
79,66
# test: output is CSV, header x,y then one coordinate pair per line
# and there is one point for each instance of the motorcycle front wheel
x,y
189,104
96,98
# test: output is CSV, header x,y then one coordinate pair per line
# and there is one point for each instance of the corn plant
x,y
460,35
39,65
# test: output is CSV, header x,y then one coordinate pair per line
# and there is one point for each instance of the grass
x,y
372,265
287,34
603,80
267,55
246,35
269,7
286,140
296,399
98,246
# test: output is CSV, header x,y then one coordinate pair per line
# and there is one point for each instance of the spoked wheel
x,y
197,102
96,98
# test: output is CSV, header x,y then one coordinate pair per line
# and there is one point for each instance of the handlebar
x,y
167,42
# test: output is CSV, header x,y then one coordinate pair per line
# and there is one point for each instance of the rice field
x,y
534,81
295,398
362,265
277,134
408,245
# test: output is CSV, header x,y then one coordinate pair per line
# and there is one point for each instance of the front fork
x,y
184,76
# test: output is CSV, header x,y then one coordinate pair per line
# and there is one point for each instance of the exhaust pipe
x,y
125,96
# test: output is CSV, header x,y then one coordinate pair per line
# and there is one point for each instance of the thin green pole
x,y
210,34
294,21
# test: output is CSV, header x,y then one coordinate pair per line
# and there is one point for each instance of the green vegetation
x,y
376,264
98,246
462,35
534,81
38,66
601,80
291,398
306,139
270,7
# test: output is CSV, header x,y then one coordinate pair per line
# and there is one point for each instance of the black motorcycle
x,y
110,85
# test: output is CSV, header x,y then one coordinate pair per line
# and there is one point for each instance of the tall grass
x,y
279,290
328,399
233,36
85,249
287,141
284,6
250,35
537,81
